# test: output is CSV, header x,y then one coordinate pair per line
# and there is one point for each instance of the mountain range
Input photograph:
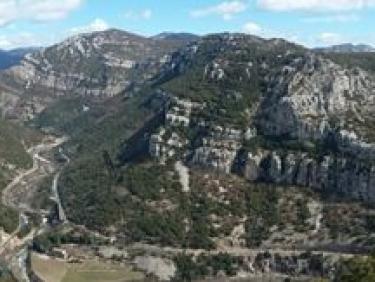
x,y
219,143
13,57
347,48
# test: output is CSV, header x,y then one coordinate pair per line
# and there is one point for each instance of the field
x,y
53,270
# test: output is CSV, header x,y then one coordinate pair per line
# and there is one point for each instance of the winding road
x,y
12,194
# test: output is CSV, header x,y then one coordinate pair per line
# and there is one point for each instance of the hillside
x,y
233,151
97,65
234,105
365,61
14,141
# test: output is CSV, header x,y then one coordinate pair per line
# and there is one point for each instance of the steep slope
x,y
226,72
14,141
101,64
187,65
14,159
235,144
365,61
314,91
233,104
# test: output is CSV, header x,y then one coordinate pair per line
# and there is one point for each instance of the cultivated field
x,y
54,270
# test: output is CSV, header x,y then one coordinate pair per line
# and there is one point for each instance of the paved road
x,y
39,163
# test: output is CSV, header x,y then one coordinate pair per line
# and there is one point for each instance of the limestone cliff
x,y
324,110
328,174
99,64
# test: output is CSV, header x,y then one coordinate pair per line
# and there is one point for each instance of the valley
x,y
18,196
187,158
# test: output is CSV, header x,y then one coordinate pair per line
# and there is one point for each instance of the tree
x,y
357,270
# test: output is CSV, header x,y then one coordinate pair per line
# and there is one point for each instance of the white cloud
x,y
264,32
315,5
96,25
333,18
138,15
227,10
252,28
146,14
36,10
329,38
15,39
23,39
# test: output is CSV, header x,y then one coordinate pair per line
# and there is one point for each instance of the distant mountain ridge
x,y
13,57
347,48
100,64
180,36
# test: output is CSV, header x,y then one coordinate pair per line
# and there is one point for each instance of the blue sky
x,y
309,22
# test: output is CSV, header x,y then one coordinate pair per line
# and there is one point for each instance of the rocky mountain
x,y
101,65
347,48
226,142
234,110
317,113
13,57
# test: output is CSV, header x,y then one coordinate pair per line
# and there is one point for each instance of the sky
x,y
25,23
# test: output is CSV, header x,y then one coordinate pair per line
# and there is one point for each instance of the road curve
x,y
38,163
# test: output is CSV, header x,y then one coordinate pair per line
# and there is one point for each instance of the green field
x,y
53,270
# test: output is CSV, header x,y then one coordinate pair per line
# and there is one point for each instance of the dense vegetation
x,y
358,220
68,115
92,173
5,275
193,268
365,61
45,242
14,140
190,268
145,202
8,219
357,269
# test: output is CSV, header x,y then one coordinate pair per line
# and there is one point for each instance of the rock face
x,y
219,159
164,269
100,64
313,99
347,177
313,95
219,149
309,100
165,147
